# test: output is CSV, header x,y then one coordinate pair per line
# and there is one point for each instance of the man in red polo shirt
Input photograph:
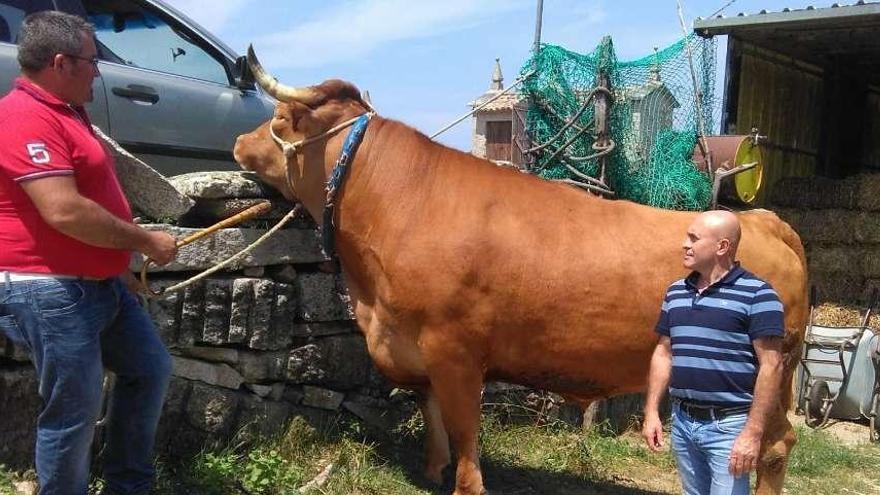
x,y
66,237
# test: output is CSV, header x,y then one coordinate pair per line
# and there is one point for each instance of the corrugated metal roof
x,y
835,14
839,35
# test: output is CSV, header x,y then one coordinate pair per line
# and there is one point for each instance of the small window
x,y
12,12
134,36
498,139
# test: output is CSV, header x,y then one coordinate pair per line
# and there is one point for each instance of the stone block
x,y
165,311
284,247
262,366
192,314
220,375
260,315
254,271
221,184
211,409
261,391
218,296
322,398
340,362
259,418
283,273
148,191
321,298
213,354
242,305
282,324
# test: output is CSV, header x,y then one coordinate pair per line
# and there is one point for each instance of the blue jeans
x,y
72,330
702,449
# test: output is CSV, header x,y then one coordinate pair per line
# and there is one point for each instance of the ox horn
x,y
307,96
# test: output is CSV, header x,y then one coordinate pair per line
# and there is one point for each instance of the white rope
x,y
516,83
289,148
236,256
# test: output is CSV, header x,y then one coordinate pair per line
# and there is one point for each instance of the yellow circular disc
x,y
748,183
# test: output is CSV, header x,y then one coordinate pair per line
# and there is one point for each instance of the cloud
x,y
216,17
352,29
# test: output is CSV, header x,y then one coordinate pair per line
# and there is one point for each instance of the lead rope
x,y
251,212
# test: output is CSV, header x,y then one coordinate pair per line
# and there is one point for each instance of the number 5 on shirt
x,y
38,152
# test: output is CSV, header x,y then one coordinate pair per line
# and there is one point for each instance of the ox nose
x,y
237,148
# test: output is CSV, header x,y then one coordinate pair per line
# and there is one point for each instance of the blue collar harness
x,y
337,179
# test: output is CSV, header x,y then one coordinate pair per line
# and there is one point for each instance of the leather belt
x,y
706,413
23,276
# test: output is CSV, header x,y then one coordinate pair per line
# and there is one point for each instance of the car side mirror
x,y
244,78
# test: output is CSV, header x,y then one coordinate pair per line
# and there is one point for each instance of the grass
x,y
551,458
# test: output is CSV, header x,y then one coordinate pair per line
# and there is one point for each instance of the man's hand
x,y
652,432
745,452
161,247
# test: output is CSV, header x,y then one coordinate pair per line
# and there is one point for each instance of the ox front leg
x,y
456,382
779,439
436,438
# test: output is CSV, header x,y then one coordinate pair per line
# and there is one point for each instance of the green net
x,y
652,119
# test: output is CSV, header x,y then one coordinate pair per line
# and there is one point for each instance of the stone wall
x,y
270,338
839,224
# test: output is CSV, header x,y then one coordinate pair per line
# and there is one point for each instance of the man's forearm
x,y
766,395
658,378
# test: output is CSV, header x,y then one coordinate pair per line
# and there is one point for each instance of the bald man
x,y
720,356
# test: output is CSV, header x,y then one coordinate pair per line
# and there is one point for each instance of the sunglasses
x,y
91,60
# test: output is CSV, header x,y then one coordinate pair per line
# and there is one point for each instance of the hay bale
x,y
868,192
815,193
838,259
867,227
871,263
823,226
838,288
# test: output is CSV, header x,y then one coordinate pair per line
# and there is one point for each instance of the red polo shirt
x,y
43,136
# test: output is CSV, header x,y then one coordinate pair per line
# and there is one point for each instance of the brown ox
x,y
462,272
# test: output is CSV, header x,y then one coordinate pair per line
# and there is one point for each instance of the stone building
x,y
498,127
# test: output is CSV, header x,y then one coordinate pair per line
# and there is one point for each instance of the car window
x,y
135,36
12,12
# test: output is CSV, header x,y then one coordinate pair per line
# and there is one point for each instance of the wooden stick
x,y
252,212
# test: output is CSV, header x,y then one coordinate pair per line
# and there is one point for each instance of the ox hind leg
x,y
456,381
436,439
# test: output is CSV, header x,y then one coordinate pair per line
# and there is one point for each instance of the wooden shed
x,y
809,80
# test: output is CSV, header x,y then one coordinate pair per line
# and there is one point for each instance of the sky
x,y
423,61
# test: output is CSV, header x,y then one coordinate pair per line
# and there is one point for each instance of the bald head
x,y
712,240
722,224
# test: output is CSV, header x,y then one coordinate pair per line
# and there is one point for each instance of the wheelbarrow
x,y
838,372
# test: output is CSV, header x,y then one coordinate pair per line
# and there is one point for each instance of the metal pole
x,y
538,19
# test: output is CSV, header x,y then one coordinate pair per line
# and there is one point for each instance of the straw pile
x,y
837,315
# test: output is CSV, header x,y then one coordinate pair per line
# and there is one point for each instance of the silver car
x,y
169,92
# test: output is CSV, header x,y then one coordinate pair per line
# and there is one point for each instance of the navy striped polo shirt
x,y
713,361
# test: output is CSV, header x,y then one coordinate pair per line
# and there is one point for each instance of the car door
x,y
12,13
170,92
